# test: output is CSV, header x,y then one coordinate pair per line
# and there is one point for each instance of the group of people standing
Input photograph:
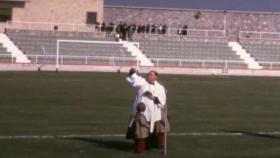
x,y
125,31
148,123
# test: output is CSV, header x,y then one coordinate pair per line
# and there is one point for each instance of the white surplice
x,y
153,110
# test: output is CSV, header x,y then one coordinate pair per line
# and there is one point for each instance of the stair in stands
x,y
135,51
11,47
252,63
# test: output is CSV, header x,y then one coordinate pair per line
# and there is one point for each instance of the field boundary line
x,y
276,133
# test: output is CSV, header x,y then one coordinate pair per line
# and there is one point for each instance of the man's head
x,y
152,76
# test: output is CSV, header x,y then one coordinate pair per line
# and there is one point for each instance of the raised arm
x,y
134,79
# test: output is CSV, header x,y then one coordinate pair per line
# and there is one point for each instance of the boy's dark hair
x,y
141,107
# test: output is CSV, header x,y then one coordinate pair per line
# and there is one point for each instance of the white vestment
x,y
153,110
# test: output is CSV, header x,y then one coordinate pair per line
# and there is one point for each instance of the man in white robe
x,y
153,95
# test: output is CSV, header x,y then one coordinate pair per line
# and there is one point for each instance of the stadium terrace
x,y
62,35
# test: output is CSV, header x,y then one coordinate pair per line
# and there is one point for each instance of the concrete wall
x,y
73,11
206,20
259,22
232,22
58,11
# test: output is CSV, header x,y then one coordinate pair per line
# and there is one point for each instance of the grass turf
x,y
48,103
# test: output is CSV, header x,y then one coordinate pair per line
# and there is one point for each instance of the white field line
x,y
276,133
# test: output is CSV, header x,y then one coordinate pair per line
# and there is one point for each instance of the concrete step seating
x,y
265,52
190,49
37,42
5,56
3,50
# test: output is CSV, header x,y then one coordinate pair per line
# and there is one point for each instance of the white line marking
x,y
59,136
276,133
206,134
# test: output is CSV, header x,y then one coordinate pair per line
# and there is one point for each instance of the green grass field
x,y
96,104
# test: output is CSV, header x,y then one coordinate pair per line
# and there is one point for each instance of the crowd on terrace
x,y
125,31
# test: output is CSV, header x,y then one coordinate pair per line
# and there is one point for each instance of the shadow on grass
x,y
120,145
255,134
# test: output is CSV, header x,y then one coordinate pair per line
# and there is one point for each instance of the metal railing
x,y
259,35
49,26
199,63
131,61
83,60
270,65
171,31
7,58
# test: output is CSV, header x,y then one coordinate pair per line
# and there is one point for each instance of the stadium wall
x,y
170,17
125,69
232,22
58,11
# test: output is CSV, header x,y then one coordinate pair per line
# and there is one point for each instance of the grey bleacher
x,y
5,56
97,49
3,50
266,53
34,41
38,42
192,52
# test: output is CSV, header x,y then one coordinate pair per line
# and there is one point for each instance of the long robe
x,y
153,110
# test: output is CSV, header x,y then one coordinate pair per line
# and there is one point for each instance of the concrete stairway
x,y
11,47
252,63
135,51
